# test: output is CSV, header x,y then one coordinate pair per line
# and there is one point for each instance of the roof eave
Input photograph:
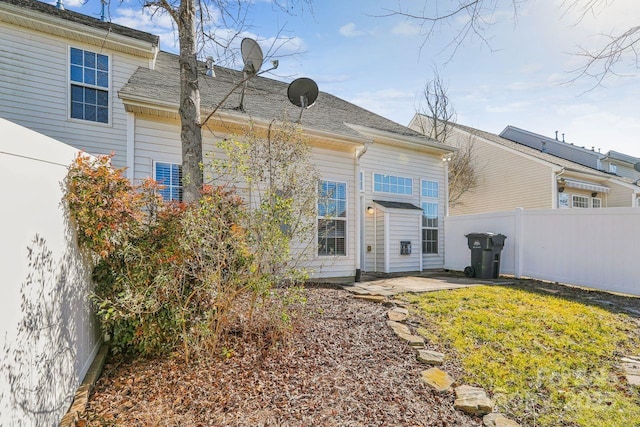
x,y
418,143
35,20
142,105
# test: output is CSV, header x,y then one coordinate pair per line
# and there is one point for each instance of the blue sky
x,y
382,63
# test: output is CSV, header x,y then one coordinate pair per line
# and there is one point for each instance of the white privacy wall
x,y
47,333
597,248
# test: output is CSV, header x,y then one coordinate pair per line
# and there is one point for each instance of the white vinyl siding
x,y
43,103
158,140
406,163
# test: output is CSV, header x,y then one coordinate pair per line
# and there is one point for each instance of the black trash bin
x,y
485,255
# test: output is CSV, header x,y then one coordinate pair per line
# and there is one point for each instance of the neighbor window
x,y
392,184
579,201
430,194
89,76
596,202
169,175
332,218
613,168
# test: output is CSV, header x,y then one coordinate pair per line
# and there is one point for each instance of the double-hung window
x,y
383,183
169,175
429,195
579,201
89,80
332,218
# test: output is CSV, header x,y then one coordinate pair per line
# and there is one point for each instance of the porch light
x,y
370,210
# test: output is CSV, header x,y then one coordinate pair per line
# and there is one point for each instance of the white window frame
x,y
108,89
170,187
345,219
373,184
594,200
613,168
578,196
425,200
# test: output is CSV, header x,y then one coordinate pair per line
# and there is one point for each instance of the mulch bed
x,y
342,367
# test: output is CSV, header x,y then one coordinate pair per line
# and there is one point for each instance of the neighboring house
x,y
512,175
105,88
612,162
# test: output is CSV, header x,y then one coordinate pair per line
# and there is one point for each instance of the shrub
x,y
167,275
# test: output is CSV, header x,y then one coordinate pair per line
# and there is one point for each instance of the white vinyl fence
x,y
48,334
597,248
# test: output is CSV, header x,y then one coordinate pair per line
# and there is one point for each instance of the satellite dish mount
x,y
252,57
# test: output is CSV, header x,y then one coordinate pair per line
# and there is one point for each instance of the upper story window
x,y
429,189
392,184
613,168
89,79
169,175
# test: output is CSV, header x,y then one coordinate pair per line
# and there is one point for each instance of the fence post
x,y
518,244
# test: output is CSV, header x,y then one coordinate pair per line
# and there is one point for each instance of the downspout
x,y
359,199
554,189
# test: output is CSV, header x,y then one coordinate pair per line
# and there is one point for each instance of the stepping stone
x,y
430,357
498,420
372,298
398,314
356,290
549,291
398,328
413,340
437,379
472,400
399,303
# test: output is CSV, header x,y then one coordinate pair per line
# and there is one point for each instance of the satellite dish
x,y
251,55
637,167
303,93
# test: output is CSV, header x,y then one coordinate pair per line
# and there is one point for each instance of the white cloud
x,y
349,30
408,29
391,103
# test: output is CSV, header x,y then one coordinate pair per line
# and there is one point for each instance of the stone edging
x,y
81,399
471,400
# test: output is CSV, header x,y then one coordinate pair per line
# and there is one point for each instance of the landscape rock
x,y
472,400
431,357
413,340
438,379
372,298
631,368
498,420
398,314
398,328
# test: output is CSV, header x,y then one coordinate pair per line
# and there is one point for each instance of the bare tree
x,y
475,17
436,120
195,23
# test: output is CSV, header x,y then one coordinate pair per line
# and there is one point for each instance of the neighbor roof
x,y
79,18
264,99
533,152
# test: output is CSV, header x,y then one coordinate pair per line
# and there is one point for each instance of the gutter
x,y
359,202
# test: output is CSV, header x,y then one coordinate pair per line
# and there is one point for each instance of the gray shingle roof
x,y
79,18
264,99
397,205
530,151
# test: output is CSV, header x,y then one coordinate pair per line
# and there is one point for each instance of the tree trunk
x,y
190,131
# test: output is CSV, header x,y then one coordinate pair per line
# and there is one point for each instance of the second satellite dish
x,y
302,92
251,55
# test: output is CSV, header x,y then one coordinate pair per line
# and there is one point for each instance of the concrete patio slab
x,y
419,283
